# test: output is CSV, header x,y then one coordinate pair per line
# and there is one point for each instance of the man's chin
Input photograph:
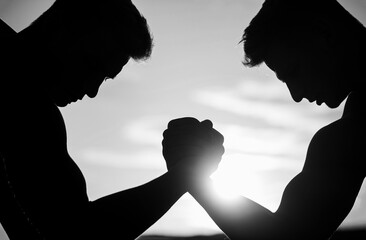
x,y
58,104
333,104
62,102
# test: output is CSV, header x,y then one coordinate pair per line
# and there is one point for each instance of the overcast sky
x,y
195,70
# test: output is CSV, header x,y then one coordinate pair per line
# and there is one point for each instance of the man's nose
x,y
93,91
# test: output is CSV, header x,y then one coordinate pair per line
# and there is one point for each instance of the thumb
x,y
206,124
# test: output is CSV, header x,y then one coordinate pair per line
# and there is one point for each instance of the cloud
x,y
141,146
143,159
265,104
147,130
261,141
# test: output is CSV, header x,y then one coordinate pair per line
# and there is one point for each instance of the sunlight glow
x,y
224,189
238,177
225,183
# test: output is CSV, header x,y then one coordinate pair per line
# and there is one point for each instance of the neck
x,y
30,39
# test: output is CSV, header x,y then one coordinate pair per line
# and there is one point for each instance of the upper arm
x,y
47,183
321,196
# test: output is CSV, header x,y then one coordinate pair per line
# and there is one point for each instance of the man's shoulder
x,y
344,133
339,146
6,32
29,122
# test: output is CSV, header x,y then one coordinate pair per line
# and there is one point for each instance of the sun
x,y
226,183
225,186
236,178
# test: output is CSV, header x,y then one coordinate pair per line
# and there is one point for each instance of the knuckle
x,y
179,122
207,123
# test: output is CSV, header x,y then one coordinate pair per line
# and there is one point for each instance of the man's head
x,y
84,42
306,43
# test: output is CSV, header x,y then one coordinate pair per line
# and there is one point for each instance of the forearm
x,y
241,218
129,213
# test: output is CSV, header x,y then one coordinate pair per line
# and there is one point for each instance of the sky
x,y
195,70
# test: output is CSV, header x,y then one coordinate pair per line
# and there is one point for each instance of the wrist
x,y
188,178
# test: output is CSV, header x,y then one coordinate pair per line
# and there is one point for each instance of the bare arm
x,y
127,214
239,219
314,203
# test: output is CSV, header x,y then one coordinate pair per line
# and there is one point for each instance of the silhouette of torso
x,y
332,175
43,192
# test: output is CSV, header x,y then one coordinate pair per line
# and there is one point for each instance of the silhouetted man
x,y
64,55
318,50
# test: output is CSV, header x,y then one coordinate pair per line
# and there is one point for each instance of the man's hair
x,y
120,17
280,17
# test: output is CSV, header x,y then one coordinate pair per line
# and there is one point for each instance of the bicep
x,y
322,195
317,202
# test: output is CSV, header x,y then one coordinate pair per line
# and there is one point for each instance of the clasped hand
x,y
192,146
